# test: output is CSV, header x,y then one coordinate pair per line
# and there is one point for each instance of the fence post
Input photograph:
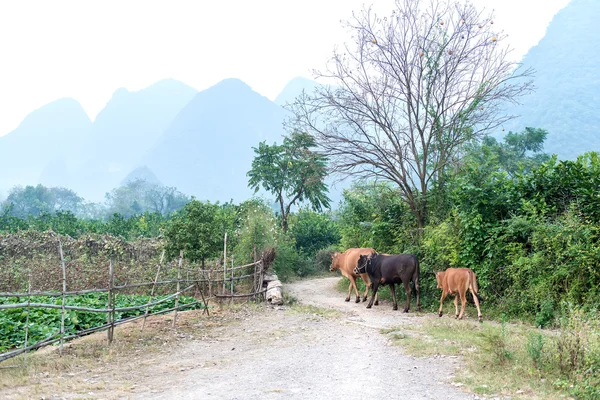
x,y
27,319
178,286
162,256
64,289
231,286
255,278
261,276
224,261
111,305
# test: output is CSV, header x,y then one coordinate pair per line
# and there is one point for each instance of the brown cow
x,y
345,262
457,281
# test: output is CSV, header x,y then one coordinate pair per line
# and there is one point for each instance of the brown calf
x,y
345,262
457,281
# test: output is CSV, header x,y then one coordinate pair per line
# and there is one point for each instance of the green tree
x,y
194,229
35,200
292,172
257,227
520,152
139,196
313,231
375,215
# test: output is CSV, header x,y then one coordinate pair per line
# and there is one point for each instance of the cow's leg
x,y
351,286
418,294
408,293
463,301
456,306
368,285
393,293
444,294
373,294
349,289
376,299
355,290
476,300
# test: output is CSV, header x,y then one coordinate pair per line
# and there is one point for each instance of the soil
x,y
334,350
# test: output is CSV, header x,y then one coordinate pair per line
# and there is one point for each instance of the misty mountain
x,y
567,98
293,89
141,173
207,149
43,147
125,130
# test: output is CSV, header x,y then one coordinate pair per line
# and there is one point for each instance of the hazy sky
x,y
88,49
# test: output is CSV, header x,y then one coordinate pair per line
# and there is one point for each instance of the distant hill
x,y
141,173
293,89
567,99
125,130
44,145
207,149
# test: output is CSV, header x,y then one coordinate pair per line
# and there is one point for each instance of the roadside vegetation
x,y
435,182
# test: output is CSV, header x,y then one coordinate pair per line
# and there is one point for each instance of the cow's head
x,y
334,261
363,261
439,277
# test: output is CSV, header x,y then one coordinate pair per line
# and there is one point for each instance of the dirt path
x,y
285,355
335,351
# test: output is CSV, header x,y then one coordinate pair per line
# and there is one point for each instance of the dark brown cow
x,y
345,262
389,270
457,281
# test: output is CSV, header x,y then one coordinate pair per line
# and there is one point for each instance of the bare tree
x,y
408,91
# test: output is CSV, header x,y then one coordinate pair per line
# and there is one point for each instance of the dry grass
x,y
495,357
89,364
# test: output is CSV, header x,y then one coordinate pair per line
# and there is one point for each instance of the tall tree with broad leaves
x,y
195,229
407,91
292,172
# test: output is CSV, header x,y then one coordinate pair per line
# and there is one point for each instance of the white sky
x,y
88,49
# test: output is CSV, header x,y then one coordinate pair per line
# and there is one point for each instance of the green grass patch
x,y
512,359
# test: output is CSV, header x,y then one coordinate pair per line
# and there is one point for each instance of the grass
x,y
514,359
495,355
315,311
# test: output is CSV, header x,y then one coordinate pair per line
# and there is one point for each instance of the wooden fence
x,y
199,280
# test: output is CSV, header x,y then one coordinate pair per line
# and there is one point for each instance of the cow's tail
x,y
473,284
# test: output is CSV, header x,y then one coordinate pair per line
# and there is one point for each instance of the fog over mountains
x,y
168,133
201,142
567,100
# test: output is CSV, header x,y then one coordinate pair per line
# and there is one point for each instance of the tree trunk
x,y
284,223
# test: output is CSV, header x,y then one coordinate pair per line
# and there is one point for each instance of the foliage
x,y
289,263
139,196
195,230
374,215
86,260
313,232
520,152
257,227
35,200
578,352
44,322
535,347
292,172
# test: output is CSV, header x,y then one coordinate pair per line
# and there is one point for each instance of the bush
x,y
323,259
545,317
313,231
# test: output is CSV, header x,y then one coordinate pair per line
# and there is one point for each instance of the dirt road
x,y
285,355
320,348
